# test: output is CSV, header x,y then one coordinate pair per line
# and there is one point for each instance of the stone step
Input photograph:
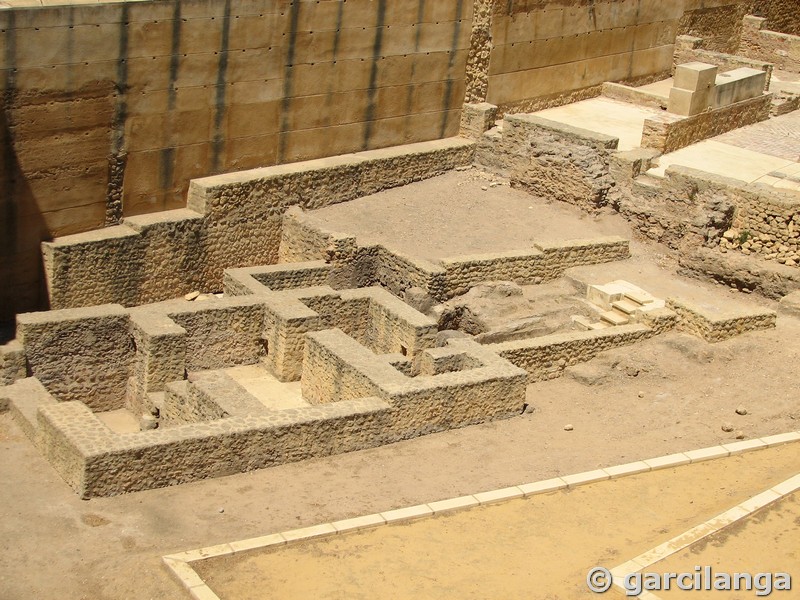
x,y
604,295
639,297
598,325
581,323
614,317
626,306
27,396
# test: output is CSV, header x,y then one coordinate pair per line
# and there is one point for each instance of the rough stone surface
x,y
551,160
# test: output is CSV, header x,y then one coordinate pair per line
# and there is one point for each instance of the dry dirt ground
x,y
669,394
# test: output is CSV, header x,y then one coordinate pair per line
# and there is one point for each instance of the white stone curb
x,y
179,564
697,533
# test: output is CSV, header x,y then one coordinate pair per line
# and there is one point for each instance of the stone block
x,y
695,76
476,119
738,85
687,103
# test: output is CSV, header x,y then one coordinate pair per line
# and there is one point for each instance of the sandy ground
x,y
765,542
452,215
57,546
540,547
668,395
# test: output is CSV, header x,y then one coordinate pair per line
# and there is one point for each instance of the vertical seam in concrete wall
x,y
8,243
377,47
448,90
70,46
168,153
116,162
219,102
411,86
339,21
286,101
336,40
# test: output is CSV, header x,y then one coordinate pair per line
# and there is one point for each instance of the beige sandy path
x,y
539,547
766,542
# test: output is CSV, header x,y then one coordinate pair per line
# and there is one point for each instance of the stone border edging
x,y
180,563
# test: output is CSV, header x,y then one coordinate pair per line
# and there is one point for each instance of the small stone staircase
x,y
617,303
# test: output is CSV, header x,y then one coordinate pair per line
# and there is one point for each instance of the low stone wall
x,y
489,388
353,265
668,132
477,119
715,325
80,354
543,262
781,49
12,362
185,404
372,316
546,357
712,220
285,276
767,223
96,462
232,220
551,160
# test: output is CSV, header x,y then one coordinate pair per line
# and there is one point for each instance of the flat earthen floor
x,y
543,545
453,215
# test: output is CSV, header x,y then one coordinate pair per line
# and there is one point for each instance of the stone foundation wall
x,y
551,160
377,265
544,262
702,215
715,326
185,404
781,49
546,357
782,16
95,462
669,132
719,22
81,355
234,221
12,362
767,224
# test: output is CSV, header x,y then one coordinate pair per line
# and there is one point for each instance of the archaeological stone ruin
x,y
175,306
